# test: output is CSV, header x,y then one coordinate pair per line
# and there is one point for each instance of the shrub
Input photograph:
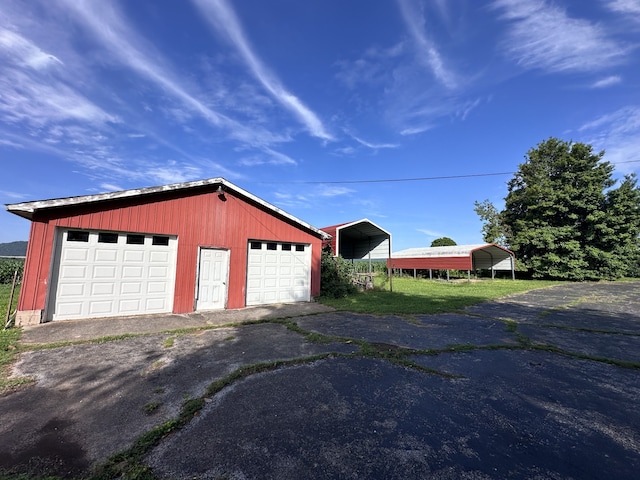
x,y
7,268
336,276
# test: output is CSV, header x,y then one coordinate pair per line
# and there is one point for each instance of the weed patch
x,y
511,326
9,349
311,337
582,356
151,407
129,465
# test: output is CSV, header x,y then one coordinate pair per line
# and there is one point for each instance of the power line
x,y
390,180
412,179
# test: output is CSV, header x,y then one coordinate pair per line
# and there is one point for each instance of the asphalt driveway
x,y
542,385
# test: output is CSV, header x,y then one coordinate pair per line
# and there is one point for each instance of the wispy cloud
x,y
108,26
374,146
222,17
348,150
422,114
25,52
626,7
430,233
607,82
334,191
268,156
427,50
375,66
33,92
291,200
40,102
414,130
173,172
110,187
10,143
543,36
12,195
618,133
307,196
466,108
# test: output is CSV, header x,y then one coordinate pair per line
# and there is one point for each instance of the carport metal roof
x,y
359,240
457,257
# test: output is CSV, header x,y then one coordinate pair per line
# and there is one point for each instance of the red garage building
x,y
178,248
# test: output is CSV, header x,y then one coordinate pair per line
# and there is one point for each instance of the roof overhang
x,y
360,239
29,209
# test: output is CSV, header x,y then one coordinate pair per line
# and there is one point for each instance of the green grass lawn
x,y
8,339
411,296
5,291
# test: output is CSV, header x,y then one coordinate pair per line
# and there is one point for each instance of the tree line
x,y
566,217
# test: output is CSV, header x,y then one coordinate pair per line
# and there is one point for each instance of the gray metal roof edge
x,y
460,250
32,207
27,209
350,224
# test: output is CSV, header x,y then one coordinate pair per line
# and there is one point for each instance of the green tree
x,y
620,236
493,228
562,217
443,242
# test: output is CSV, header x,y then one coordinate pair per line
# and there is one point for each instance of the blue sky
x,y
293,100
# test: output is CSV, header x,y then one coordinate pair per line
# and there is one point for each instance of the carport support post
x,y
369,254
513,268
430,274
468,275
390,268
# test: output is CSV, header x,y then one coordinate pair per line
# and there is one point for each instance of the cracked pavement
x,y
537,385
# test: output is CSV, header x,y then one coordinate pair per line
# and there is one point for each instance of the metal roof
x,y
477,256
28,209
360,228
449,251
360,239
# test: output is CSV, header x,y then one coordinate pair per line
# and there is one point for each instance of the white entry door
x,y
212,279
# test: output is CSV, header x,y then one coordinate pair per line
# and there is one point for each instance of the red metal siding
x,y
36,268
434,263
198,219
332,230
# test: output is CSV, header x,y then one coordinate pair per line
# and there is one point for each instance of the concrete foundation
x,y
28,317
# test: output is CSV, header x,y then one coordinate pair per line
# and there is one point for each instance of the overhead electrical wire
x,y
390,180
412,179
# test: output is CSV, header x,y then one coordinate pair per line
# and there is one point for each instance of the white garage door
x,y
106,274
278,273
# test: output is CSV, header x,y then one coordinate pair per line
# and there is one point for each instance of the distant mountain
x,y
13,249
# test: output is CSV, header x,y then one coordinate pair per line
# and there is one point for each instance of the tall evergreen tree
x,y
620,236
562,217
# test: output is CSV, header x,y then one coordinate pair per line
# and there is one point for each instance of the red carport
x,y
490,257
